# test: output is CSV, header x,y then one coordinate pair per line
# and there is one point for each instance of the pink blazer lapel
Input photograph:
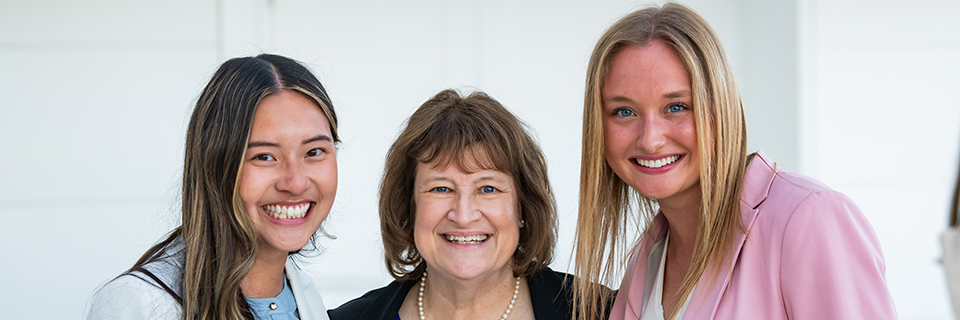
x,y
634,280
706,296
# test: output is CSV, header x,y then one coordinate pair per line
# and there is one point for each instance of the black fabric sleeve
x,y
377,304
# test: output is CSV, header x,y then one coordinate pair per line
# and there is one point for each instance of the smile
x,y
656,163
465,240
287,212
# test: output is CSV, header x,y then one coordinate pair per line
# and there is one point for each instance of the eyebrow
x,y
677,94
254,144
618,99
481,179
669,95
319,137
491,178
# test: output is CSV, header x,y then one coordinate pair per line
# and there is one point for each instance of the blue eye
x,y
623,112
441,189
675,108
488,189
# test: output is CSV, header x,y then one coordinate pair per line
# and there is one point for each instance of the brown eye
x,y
314,152
263,157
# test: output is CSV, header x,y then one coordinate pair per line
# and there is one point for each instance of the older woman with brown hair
x,y
468,220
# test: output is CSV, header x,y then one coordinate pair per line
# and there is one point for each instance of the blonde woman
x,y
725,235
259,177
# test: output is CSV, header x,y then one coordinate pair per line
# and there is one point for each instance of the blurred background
x,y
95,97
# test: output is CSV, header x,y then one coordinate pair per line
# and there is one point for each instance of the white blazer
x,y
130,297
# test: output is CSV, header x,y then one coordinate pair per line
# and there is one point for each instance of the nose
x,y
466,210
294,179
651,134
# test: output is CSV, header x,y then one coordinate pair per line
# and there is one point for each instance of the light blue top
x,y
286,305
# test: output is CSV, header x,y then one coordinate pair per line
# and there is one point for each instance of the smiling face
x,y
467,224
289,176
648,121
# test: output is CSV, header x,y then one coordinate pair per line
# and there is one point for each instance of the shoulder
x,y
807,217
768,188
306,291
551,293
547,280
133,296
381,303
301,278
792,193
150,291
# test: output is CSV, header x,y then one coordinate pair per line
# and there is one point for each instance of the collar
x,y
757,180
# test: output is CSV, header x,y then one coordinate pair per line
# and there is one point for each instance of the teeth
x,y
287,212
477,239
657,163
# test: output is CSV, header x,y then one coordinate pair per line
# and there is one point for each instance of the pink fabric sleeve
x,y
623,306
831,263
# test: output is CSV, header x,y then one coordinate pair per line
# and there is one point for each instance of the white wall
x,y
880,123
96,96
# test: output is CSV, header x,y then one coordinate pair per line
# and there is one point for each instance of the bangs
x,y
468,158
459,135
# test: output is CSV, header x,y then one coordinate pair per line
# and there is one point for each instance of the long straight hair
x,y
219,241
605,199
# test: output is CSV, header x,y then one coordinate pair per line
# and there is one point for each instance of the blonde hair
x,y
721,143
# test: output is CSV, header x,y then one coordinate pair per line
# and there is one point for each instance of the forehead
x,y
469,159
288,111
645,70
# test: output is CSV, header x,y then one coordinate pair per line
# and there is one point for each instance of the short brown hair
x,y
444,130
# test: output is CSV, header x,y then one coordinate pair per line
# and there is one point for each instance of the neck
x,y
683,214
450,298
265,279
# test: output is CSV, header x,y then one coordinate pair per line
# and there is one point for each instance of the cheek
x,y
688,135
250,186
616,142
326,179
609,140
505,216
426,217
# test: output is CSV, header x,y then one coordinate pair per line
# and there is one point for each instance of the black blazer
x,y
551,293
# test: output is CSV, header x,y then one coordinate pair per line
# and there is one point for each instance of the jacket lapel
x,y
635,286
305,292
757,180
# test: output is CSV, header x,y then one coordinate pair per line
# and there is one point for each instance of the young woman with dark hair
x,y
259,177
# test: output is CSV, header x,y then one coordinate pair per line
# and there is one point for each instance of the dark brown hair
x,y
219,242
443,131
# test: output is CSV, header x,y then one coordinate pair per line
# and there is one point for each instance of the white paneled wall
x,y
881,124
96,95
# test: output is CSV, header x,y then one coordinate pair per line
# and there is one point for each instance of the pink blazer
x,y
808,253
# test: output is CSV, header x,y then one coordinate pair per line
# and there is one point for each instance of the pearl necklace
x,y
423,284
